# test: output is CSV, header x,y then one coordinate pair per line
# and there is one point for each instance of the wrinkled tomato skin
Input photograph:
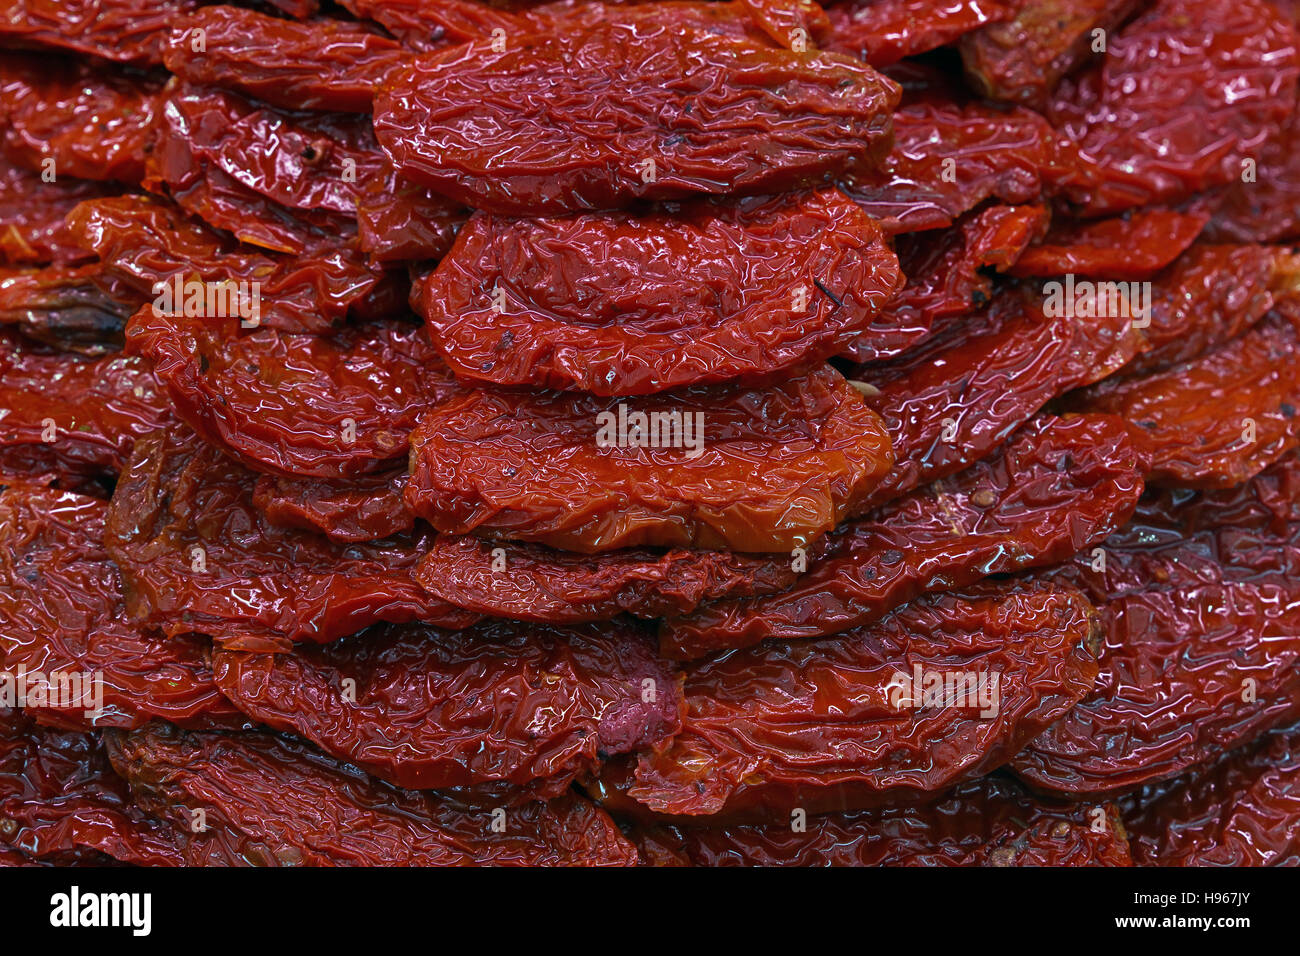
x,y
363,508
548,467
1056,487
721,129
616,304
71,308
885,31
270,801
1136,247
33,213
126,31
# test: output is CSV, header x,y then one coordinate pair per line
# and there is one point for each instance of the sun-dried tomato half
x,y
360,508
530,582
1133,247
988,822
576,696
1184,95
725,467
879,715
197,556
153,245
128,31
320,64
885,31
1263,205
1218,419
75,308
63,625
424,25
615,304
947,160
1059,485
1245,811
308,405
32,230
270,801
696,113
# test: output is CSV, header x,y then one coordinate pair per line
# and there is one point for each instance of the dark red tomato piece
x,y
743,118
361,508
531,582
1058,486
616,304
33,211
75,308
523,704
128,31
424,25
885,31
681,469
1186,93
307,405
847,722
63,623
1263,203
197,556
400,220
270,801
1131,247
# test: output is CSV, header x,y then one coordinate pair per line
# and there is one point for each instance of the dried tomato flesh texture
x,y
845,723
62,620
128,31
1244,811
80,415
363,508
947,160
697,113
399,220
423,25
1187,673
1210,295
75,308
793,24
197,556
1217,420
988,822
1266,206
151,244
530,582
501,703
616,304
32,213
271,801
318,64
885,31
1023,58
60,800
958,396
947,275
308,405
1185,93
1056,487
1134,247
724,467
88,122
765,22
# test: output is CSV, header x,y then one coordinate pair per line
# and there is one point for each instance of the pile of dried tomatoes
x,y
442,432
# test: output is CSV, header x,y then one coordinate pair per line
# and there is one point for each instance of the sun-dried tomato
x,y
424,25
1135,247
765,22
947,160
319,64
128,31
1058,486
1263,204
885,31
63,623
741,118
947,275
1245,811
399,220
197,556
80,415
61,802
1185,93
32,230
576,696
152,244
724,467
951,401
67,307
530,582
988,822
615,304
360,508
847,722
259,799
1023,58
65,118
1218,419
793,24
309,405
1186,674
